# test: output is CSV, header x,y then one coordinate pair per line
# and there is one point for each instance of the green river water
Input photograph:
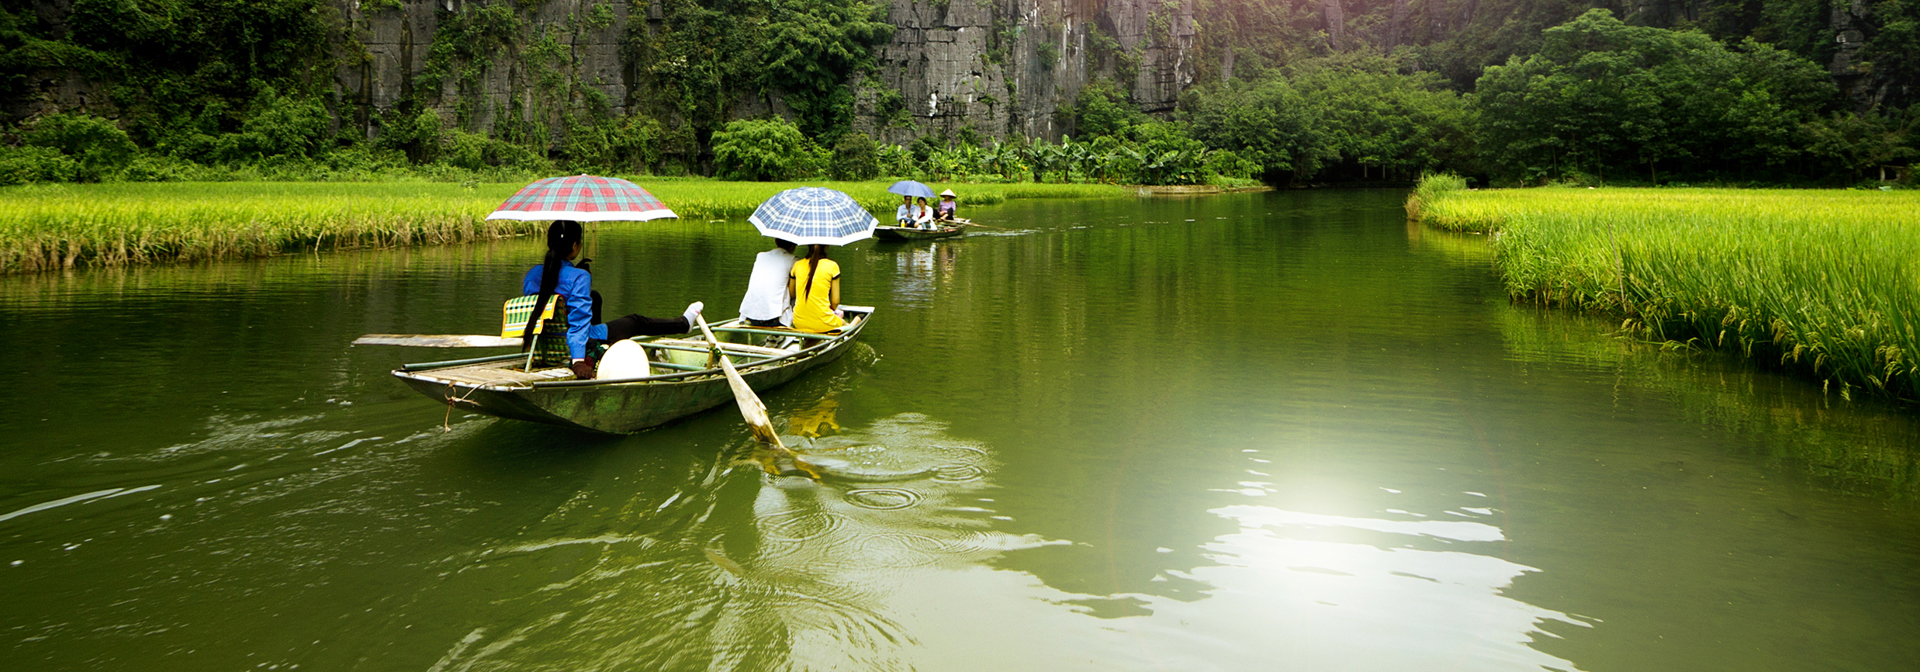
x,y
1271,431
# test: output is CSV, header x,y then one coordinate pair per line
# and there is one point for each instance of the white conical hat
x,y
948,192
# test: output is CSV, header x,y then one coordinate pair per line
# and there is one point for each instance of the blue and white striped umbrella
x,y
814,216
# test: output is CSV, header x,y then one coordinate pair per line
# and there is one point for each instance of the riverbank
x,y
1823,282
52,227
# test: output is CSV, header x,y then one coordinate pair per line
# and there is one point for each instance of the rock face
x,y
386,53
1006,68
998,67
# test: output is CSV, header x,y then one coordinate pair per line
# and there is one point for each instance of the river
x,y
1280,430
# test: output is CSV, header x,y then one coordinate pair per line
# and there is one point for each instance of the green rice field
x,y
50,227
1827,282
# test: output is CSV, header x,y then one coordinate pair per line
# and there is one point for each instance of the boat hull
x,y
903,234
617,407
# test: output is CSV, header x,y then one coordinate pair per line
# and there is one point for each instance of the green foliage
x,y
630,144
21,165
1376,116
1604,96
276,127
1046,52
854,158
1855,144
418,134
473,151
1820,281
762,150
1103,109
600,15
1268,122
811,47
464,42
96,147
1167,155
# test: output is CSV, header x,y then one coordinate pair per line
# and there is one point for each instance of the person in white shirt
x,y
923,214
766,303
904,214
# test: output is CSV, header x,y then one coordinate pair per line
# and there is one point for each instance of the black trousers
x,y
640,325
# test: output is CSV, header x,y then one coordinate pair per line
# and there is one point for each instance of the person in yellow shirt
x,y
814,285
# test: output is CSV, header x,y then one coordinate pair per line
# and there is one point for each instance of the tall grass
x,y
48,227
1827,282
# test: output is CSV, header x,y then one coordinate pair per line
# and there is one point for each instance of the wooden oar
x,y
969,222
438,340
755,413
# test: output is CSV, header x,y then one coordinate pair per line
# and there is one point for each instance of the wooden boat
x,y
501,386
905,233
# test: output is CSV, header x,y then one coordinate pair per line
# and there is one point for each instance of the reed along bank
x,y
1824,282
52,227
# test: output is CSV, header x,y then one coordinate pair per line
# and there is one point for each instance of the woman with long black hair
x,y
558,277
814,284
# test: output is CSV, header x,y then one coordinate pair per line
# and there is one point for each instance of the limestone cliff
x,y
999,67
1006,67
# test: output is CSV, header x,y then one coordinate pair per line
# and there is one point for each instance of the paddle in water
x,y
785,461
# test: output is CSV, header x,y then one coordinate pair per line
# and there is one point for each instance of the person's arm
x,y
793,291
834,295
578,293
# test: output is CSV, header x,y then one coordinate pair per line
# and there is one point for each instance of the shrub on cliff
x,y
20,165
97,147
474,151
764,150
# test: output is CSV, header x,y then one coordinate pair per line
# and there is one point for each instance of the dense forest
x,y
1149,91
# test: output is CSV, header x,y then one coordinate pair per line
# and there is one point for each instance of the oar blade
x,y
438,340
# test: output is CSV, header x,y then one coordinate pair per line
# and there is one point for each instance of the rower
x,y
948,208
557,277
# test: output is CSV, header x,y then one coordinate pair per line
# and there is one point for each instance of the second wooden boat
x,y
904,233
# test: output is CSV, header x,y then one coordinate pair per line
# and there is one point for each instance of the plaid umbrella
x,y
814,216
583,198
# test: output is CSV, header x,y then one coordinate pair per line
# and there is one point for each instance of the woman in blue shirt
x,y
557,277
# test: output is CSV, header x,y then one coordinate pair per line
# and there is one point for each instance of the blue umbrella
x,y
814,216
911,188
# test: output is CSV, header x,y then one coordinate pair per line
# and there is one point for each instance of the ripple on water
x,y
959,473
800,525
882,499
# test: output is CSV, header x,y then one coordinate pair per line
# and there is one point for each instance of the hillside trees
x,y
1602,96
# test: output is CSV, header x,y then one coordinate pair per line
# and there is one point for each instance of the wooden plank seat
x,y
503,373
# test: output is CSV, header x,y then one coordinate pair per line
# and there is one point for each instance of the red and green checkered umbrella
x,y
583,198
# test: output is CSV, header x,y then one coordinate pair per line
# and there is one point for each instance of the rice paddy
x,y
51,227
1826,282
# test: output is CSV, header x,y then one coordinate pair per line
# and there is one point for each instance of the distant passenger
x,y
767,303
814,285
558,278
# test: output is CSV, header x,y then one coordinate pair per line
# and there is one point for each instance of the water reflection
x,y
1331,588
1858,447
917,268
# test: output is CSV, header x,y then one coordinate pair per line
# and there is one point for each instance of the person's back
x,y
816,292
765,304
